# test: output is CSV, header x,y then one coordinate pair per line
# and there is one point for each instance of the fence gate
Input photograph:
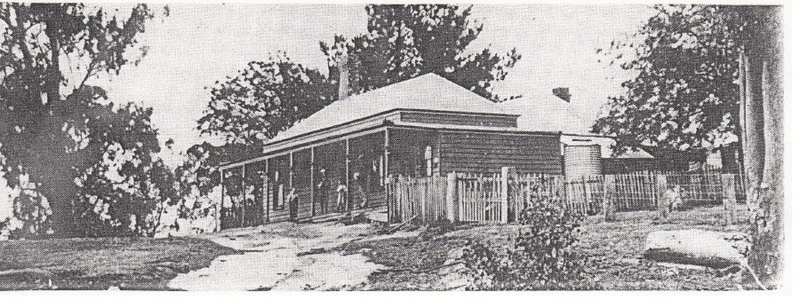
x,y
482,199
422,198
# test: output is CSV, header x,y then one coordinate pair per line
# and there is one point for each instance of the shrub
x,y
437,228
539,257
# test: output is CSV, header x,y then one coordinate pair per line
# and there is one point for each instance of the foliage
x,y
197,177
405,41
437,228
684,96
539,257
270,96
264,99
58,131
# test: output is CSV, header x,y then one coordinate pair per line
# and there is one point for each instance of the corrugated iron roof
x,y
426,92
547,113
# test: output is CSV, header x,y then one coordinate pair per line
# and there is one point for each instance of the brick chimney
x,y
562,92
344,77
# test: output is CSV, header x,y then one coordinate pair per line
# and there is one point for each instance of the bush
x,y
539,257
437,228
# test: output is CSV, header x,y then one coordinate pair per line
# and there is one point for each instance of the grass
x,y
612,249
100,263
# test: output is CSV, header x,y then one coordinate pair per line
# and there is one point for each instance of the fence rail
x,y
499,198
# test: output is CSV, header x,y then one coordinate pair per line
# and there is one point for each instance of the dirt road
x,y
284,257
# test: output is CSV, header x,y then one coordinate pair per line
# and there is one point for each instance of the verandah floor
x,y
378,214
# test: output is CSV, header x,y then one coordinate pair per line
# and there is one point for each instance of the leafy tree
x,y
57,129
197,178
405,41
706,73
264,99
684,97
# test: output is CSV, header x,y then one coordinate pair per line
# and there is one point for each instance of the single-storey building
x,y
338,158
584,153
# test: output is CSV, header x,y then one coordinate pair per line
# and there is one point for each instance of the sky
x,y
197,45
200,44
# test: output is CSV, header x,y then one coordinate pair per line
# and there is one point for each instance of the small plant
x,y
438,227
539,257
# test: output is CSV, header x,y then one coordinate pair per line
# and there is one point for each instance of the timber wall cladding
x,y
407,150
489,152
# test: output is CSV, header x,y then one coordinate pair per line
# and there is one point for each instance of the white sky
x,y
200,44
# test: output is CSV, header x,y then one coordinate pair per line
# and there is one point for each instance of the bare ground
x,y
287,256
613,251
100,263
332,256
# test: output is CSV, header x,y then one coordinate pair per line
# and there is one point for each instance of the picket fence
x,y
499,198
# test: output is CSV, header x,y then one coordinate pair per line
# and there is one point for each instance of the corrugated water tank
x,y
582,160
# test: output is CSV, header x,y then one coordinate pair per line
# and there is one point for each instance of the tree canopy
x,y
76,158
402,42
684,96
405,41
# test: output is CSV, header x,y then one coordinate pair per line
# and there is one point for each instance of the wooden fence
x,y
421,197
481,199
499,198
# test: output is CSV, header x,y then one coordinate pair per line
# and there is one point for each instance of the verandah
x,y
334,176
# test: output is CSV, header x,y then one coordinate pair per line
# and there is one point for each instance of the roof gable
x,y
426,92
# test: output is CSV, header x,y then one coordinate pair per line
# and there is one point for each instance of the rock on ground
x,y
697,247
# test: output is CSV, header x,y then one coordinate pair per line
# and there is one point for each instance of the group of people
x,y
325,189
327,185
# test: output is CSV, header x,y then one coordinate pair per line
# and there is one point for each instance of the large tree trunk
x,y
762,132
752,123
767,209
61,193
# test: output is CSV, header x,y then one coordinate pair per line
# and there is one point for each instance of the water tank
x,y
582,160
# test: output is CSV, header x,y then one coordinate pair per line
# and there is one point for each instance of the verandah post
x,y
729,199
504,195
313,185
451,197
609,195
391,205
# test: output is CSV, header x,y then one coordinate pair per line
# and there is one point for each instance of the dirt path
x,y
271,260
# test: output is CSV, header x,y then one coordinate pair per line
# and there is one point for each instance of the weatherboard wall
x,y
488,152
